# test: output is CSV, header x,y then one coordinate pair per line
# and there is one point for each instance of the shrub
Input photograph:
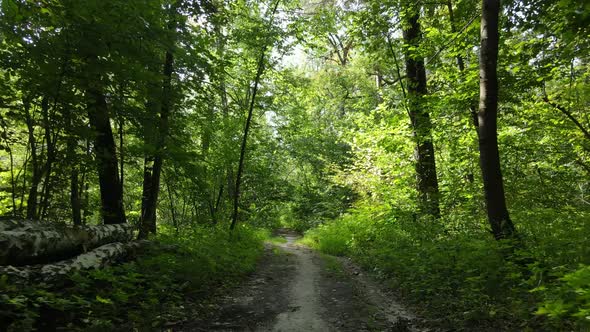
x,y
453,270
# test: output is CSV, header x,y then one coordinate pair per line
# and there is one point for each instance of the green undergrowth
x,y
458,275
276,240
332,265
168,283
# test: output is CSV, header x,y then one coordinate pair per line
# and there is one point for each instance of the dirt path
x,y
297,289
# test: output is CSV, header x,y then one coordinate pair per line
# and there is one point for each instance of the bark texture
x,y
499,219
35,163
24,225
420,118
153,164
106,158
100,257
25,242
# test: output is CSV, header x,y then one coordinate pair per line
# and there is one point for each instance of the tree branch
x,y
569,115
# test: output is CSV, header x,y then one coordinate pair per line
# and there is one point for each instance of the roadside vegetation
x,y
459,276
169,284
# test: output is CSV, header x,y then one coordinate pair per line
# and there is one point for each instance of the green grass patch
x,y
276,240
332,265
159,287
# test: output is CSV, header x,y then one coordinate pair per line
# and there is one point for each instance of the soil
x,y
297,289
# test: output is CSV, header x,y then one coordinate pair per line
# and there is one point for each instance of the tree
x,y
498,217
153,163
106,155
252,102
419,116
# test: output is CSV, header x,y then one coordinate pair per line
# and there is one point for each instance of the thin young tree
x,y
259,71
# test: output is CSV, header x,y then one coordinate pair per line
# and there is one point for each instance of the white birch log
x,y
32,244
97,258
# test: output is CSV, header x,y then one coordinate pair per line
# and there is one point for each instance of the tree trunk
x,y
153,172
24,183
12,180
422,127
74,172
498,217
236,197
34,243
146,217
106,158
121,154
171,203
59,272
35,169
47,168
75,197
12,224
259,71
84,188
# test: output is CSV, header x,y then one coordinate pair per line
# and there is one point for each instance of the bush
x,y
460,275
568,298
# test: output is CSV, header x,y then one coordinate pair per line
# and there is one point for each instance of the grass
x,y
276,240
455,272
332,265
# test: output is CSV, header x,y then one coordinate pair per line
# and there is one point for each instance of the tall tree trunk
x,y
74,172
35,168
153,170
12,180
228,181
502,226
50,140
259,71
121,154
421,124
24,185
75,197
205,144
171,203
85,186
106,157
236,197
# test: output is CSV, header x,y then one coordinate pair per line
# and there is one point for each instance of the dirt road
x,y
297,289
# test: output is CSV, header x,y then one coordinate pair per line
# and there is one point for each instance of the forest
x,y
157,156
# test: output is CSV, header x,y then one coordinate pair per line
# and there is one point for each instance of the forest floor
x,y
296,289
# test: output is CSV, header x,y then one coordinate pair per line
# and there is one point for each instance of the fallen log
x,y
31,244
9,224
97,258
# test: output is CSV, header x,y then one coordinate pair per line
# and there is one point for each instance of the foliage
x,y
569,298
459,275
169,283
